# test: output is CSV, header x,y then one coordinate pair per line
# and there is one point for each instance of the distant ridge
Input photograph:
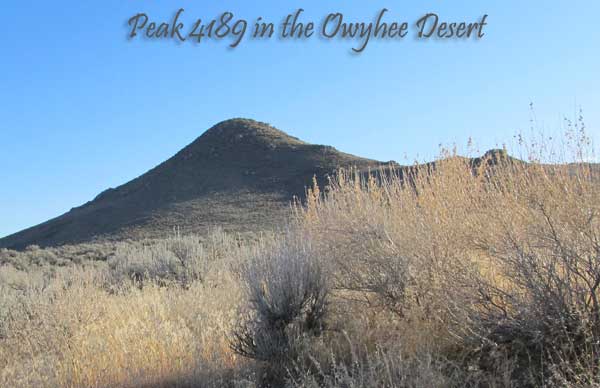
x,y
239,174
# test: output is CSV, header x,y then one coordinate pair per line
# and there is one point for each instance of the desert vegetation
x,y
466,272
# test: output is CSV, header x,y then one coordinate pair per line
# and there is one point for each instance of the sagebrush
x,y
480,272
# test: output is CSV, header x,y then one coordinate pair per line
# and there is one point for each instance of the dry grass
x,y
493,264
78,328
481,273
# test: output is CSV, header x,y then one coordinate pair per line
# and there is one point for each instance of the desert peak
x,y
247,130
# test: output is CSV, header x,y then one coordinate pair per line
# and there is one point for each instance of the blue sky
x,y
82,108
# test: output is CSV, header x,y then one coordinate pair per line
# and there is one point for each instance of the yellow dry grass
x,y
69,331
410,258
425,244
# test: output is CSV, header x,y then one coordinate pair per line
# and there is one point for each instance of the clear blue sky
x,y
83,109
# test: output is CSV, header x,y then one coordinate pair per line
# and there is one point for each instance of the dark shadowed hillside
x,y
240,174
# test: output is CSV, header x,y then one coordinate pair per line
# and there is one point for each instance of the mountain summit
x,y
240,174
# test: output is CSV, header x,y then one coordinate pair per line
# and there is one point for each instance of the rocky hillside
x,y
240,174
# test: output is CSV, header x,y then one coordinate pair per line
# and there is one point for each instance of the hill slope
x,y
240,174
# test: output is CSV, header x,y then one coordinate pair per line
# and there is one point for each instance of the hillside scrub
x,y
464,272
94,325
492,263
